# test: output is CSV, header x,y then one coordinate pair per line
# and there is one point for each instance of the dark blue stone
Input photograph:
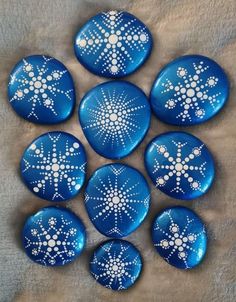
x,y
189,91
179,237
115,117
117,199
179,165
113,44
41,90
53,166
53,236
116,264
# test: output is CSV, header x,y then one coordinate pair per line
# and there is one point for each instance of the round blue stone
x,y
41,90
180,165
113,44
117,199
53,236
189,91
53,166
179,237
116,264
115,117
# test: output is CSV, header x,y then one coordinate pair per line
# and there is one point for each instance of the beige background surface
x,y
178,28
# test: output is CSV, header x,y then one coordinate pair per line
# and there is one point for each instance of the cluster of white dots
x,y
178,167
191,92
52,242
116,42
54,167
115,117
37,86
176,241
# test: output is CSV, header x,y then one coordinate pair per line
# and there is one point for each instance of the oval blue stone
x,y
53,166
179,165
115,117
189,91
117,199
179,237
116,264
53,236
41,90
113,44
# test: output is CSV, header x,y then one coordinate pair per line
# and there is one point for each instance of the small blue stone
x,y
179,237
116,264
115,117
113,44
117,199
53,236
189,91
180,165
53,166
41,90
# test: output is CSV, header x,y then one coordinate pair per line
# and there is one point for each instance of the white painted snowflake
x,y
40,85
179,167
115,118
178,243
117,267
54,173
53,241
191,92
114,41
115,202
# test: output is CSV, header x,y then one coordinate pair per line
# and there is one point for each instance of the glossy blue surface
x,y
116,264
189,90
115,116
179,237
113,44
41,90
53,166
53,236
117,199
179,165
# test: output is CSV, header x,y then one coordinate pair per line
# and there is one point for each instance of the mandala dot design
x,y
180,237
189,90
114,116
53,236
117,199
41,90
53,166
113,44
116,264
181,166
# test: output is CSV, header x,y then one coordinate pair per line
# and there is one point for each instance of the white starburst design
x,y
113,268
177,242
113,42
53,242
54,167
39,86
191,92
115,201
179,167
115,118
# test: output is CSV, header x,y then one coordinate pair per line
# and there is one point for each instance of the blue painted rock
x,y
115,116
116,264
53,166
179,237
179,165
41,90
53,236
189,91
113,44
117,199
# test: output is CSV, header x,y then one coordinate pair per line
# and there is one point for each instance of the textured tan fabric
x,y
178,27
